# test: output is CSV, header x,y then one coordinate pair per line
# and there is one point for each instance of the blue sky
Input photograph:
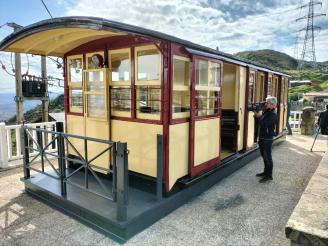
x,y
233,25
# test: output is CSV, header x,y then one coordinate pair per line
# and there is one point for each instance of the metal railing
x,y
10,141
117,166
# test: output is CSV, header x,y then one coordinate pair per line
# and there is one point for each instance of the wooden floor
x,y
226,153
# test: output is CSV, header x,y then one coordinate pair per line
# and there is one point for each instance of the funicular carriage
x,y
129,84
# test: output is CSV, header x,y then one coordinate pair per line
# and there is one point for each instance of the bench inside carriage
x,y
229,129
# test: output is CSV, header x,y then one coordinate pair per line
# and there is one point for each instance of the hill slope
x,y
270,58
55,105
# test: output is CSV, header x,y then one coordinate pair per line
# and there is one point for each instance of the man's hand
x,y
257,114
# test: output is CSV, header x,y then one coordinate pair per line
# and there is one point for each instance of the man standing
x,y
267,122
323,121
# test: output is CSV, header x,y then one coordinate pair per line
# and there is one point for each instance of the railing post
x,y
159,180
122,180
26,154
3,146
114,153
61,157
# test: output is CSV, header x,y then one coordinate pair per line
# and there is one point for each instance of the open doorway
x,y
230,108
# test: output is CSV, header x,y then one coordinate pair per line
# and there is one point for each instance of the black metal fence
x,y
117,166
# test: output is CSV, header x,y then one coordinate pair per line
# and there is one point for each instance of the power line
x,y
46,9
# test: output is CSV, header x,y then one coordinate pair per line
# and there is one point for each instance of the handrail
x,y
117,165
10,141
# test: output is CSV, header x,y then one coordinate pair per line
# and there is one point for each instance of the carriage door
x,y
275,93
96,116
250,101
205,116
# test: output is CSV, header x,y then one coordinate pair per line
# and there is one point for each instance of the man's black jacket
x,y
323,122
267,123
323,119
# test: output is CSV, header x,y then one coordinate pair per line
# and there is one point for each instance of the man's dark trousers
x,y
266,152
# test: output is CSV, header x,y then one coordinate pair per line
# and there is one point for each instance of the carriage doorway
x,y
233,105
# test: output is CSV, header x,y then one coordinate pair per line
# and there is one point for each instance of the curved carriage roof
x,y
55,37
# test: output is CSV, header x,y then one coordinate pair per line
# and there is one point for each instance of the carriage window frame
x,y
119,51
282,91
286,91
275,84
178,88
208,89
251,87
259,87
152,85
120,85
160,65
269,90
100,92
74,85
116,112
151,115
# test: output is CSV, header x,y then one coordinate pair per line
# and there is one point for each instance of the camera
x,y
256,107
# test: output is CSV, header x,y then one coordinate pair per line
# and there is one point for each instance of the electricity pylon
x,y
308,51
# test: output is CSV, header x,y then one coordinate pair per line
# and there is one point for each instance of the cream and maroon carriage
x,y
129,84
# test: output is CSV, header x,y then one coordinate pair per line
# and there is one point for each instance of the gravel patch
x,y
236,211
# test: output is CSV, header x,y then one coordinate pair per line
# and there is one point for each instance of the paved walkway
x,y
236,211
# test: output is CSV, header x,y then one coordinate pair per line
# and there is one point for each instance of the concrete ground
x,y
236,211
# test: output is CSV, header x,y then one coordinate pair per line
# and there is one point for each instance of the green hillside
x,y
270,58
56,105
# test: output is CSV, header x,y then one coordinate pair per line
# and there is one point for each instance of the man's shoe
x,y
265,179
260,174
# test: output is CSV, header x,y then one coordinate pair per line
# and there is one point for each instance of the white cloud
x,y
232,25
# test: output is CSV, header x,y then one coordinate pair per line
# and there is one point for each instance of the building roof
x,y
300,81
59,117
317,94
57,36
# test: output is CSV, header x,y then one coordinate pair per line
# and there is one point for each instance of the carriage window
x,y
121,101
95,80
181,87
201,103
259,88
207,87
75,75
213,102
75,70
286,91
120,65
96,105
275,87
270,85
214,74
148,101
76,98
251,86
148,80
148,65
202,69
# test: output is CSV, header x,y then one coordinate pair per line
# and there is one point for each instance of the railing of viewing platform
x,y
10,141
67,147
